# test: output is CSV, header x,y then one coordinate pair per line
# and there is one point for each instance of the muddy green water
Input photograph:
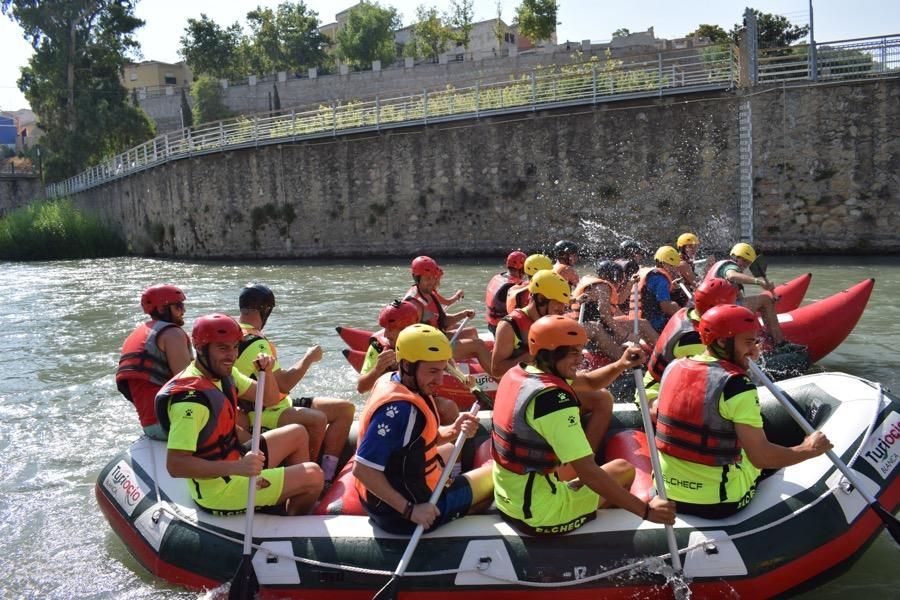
x,y
61,418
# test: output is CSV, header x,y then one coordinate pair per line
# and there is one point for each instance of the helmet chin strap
x,y
409,374
203,359
541,302
264,312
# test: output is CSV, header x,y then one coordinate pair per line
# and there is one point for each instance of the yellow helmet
x,y
687,239
668,255
550,285
537,262
422,342
744,251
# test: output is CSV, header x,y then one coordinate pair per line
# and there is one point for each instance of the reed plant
x,y
56,229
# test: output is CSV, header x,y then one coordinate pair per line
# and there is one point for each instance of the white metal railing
x,y
577,84
843,59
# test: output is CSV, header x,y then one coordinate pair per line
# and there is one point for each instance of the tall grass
x,y
55,230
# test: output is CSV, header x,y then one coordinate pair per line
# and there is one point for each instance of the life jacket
x,y
521,325
495,297
379,342
432,312
518,296
713,272
515,445
413,471
688,423
218,438
648,305
251,336
142,359
586,282
679,334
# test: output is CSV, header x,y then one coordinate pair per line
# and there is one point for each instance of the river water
x,y
61,418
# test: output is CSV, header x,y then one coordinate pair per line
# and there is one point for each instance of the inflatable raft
x,y
805,525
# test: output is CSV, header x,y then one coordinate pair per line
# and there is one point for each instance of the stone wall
x,y
18,190
825,168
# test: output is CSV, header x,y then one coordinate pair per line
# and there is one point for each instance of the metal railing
x,y
572,85
843,59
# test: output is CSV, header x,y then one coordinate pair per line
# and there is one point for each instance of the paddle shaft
x,y
254,447
651,447
808,429
459,328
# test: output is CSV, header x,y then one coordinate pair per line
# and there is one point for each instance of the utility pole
x,y
813,66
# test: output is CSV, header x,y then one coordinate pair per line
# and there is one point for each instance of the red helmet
x,y
398,315
554,331
516,260
726,321
215,329
714,292
157,297
425,265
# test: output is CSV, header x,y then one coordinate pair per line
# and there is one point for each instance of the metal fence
x,y
843,59
573,85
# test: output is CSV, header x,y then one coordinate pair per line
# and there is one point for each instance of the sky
x,y
578,20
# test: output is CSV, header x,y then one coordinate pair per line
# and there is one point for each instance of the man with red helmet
x,y
681,335
380,355
709,428
198,408
537,427
498,288
423,295
153,353
327,420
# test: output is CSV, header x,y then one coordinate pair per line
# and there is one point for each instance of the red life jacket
x,y
218,438
431,311
141,357
688,423
521,325
518,296
416,468
515,445
713,272
675,341
495,297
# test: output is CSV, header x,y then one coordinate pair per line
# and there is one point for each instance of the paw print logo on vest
x,y
383,429
391,411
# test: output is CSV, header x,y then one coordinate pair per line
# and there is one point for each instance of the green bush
x,y
55,230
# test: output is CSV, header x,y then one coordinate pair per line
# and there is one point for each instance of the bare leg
x,y
473,348
339,415
606,345
447,410
622,471
482,484
302,479
313,420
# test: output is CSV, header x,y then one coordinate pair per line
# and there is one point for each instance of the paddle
x,y
390,588
889,520
244,584
677,589
759,266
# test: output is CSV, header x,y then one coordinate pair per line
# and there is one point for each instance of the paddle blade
x,y
889,520
389,591
244,584
758,267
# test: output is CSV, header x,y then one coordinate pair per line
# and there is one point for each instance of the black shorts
x,y
303,402
263,447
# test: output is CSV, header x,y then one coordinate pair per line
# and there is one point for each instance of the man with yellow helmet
x,y
688,244
517,297
732,270
549,295
398,461
654,284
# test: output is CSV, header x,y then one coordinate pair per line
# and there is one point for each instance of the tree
x,y
208,104
621,32
276,99
73,79
460,21
774,31
499,29
210,49
368,35
536,19
429,34
287,39
713,33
